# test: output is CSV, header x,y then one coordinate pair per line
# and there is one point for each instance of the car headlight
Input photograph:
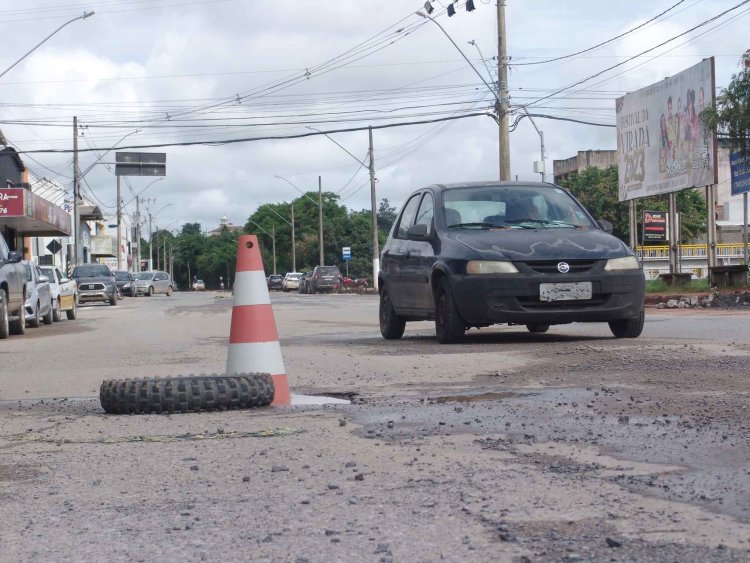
x,y
624,263
490,267
28,294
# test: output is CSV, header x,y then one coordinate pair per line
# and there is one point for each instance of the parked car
x,y
291,281
199,285
476,254
304,283
64,293
275,281
13,293
151,283
326,278
96,282
38,296
125,283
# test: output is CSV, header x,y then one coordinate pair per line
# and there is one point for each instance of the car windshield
x,y
144,276
295,276
328,271
122,276
512,207
91,271
49,273
277,277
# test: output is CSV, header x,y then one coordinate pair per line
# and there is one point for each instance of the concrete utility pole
x,y
137,265
502,110
150,244
374,203
320,218
119,226
294,244
273,244
76,188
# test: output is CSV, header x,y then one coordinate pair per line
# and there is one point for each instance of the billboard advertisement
x,y
103,245
655,227
662,145
739,164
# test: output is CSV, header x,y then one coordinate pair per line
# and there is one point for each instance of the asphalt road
x,y
564,446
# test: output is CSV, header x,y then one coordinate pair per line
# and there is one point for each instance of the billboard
x,y
103,245
662,145
739,164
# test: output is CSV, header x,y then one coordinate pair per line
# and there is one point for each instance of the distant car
x,y
304,283
276,281
199,285
38,296
64,293
126,283
325,278
291,281
151,283
95,283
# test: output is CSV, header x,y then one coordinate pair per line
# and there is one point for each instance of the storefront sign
x,y
739,164
28,213
11,202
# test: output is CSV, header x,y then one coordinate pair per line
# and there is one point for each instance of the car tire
x,y
186,394
538,328
449,326
34,321
47,319
113,299
19,325
73,312
628,328
151,291
391,325
56,311
4,321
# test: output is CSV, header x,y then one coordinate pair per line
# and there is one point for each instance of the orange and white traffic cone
x,y
253,338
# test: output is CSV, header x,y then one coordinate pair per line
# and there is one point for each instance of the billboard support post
x,y
673,262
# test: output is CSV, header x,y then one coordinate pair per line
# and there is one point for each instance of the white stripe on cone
x,y
250,288
257,357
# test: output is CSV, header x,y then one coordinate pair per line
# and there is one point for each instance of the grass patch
x,y
660,286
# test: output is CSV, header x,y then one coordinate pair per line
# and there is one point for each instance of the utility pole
x,y
76,189
164,248
137,234
119,226
320,218
294,250
502,109
273,244
374,203
150,243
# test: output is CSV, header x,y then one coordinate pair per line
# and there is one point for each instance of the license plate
x,y
572,291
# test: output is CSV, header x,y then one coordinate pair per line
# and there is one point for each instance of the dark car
x,y
325,278
126,283
304,283
95,283
477,254
276,281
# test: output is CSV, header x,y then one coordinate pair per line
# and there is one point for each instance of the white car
x,y
64,293
291,281
38,296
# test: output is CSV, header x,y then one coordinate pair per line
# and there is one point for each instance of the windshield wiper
x,y
481,224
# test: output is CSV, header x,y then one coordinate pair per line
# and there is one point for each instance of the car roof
x,y
496,183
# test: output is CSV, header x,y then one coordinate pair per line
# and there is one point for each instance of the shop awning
x,y
90,213
31,215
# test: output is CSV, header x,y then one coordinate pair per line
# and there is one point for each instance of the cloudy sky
x,y
160,72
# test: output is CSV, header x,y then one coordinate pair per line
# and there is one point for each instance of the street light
x,y
291,224
151,237
272,234
319,203
83,17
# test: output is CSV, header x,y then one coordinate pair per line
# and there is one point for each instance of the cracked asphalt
x,y
564,446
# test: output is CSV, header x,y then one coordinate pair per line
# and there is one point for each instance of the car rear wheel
x,y
449,326
628,328
537,328
72,313
391,325
34,321
56,311
19,325
4,321
48,317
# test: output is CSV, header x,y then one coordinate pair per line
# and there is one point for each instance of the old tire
x,y
56,311
19,325
449,326
34,321
628,328
47,319
4,321
538,328
186,394
72,313
391,325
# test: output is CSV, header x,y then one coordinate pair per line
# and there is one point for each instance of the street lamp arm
x,y
101,156
296,188
261,228
274,212
83,17
337,143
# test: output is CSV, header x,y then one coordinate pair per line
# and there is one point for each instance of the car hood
x,y
522,245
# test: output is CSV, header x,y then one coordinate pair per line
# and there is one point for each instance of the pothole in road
x,y
475,398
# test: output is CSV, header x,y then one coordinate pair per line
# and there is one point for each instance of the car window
x,y
144,276
426,211
407,216
91,271
122,276
49,272
328,271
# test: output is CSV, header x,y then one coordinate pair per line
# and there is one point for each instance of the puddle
x,y
318,400
473,398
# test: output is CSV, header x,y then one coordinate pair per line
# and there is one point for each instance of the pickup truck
x,y
12,291
64,293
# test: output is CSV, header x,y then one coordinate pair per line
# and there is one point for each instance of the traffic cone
x,y
253,338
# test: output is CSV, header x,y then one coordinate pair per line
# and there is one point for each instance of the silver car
x,y
38,296
150,283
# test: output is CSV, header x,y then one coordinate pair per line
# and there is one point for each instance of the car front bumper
x,y
94,295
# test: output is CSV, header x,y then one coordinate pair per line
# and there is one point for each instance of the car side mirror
x,y
14,256
43,279
65,280
606,226
418,232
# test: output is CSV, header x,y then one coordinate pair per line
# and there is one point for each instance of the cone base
x,y
281,394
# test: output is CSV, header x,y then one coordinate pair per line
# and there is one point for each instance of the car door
x,y
43,290
420,258
162,281
395,254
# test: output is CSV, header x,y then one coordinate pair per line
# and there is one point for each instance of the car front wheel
x,y
34,321
628,328
4,322
56,311
113,299
48,317
449,326
391,325
19,325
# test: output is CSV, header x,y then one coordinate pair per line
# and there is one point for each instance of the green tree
x,y
731,114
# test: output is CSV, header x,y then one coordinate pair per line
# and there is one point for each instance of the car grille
x,y
534,303
550,266
92,287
